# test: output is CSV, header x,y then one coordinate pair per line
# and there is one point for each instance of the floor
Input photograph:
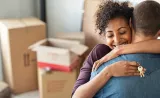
x,y
33,94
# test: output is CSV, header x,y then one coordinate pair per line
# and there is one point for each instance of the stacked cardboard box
x,y
78,36
91,35
58,54
19,63
62,57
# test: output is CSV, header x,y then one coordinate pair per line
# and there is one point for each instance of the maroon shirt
x,y
97,52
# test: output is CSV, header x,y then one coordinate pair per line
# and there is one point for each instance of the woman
x,y
112,21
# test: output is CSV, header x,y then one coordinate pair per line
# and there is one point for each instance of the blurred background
x,y
62,18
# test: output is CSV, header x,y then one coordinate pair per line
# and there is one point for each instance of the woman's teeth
x,y
120,44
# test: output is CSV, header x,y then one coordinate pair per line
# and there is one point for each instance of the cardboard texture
x,y
58,54
56,84
91,36
79,36
19,63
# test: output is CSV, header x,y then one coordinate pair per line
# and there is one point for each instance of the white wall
x,y
16,9
64,16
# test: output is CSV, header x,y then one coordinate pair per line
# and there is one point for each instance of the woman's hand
x,y
113,54
123,68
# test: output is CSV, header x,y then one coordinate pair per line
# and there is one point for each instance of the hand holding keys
x,y
141,70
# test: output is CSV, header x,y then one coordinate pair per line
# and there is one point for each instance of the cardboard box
x,y
91,36
58,54
78,36
4,90
19,63
56,84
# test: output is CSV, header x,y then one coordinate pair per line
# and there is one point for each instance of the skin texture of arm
x,y
88,90
97,52
149,46
117,69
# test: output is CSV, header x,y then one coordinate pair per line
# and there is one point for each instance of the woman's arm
x,y
149,46
89,89
120,68
97,52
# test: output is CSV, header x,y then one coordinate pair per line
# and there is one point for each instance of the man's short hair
x,y
146,18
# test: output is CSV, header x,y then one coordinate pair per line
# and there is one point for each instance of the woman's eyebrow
x,y
121,28
109,31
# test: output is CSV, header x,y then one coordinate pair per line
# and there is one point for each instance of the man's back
x,y
135,86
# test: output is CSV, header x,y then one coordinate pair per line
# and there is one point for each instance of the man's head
x,y
146,18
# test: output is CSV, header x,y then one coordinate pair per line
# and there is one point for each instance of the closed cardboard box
x,y
58,54
56,84
91,36
19,63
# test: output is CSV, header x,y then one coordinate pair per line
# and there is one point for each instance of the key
x,y
141,70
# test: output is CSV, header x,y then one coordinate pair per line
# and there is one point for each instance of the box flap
x,y
79,49
32,21
38,46
79,36
34,46
12,23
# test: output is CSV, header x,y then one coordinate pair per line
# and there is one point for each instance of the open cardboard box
x,y
58,54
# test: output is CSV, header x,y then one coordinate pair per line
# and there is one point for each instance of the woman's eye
x,y
122,32
109,36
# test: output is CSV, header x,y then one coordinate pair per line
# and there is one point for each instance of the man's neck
x,y
138,37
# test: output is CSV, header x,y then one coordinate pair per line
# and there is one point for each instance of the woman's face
x,y
118,32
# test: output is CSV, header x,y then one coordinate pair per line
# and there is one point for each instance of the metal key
x,y
141,70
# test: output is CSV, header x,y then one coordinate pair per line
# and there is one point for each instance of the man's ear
x,y
131,26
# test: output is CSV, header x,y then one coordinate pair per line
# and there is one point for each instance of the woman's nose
x,y
117,40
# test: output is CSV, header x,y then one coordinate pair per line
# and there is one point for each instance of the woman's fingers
x,y
132,63
133,74
132,71
95,65
98,64
132,68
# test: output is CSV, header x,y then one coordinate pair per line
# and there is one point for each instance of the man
x,y
146,24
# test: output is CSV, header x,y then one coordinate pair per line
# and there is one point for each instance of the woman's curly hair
x,y
109,10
